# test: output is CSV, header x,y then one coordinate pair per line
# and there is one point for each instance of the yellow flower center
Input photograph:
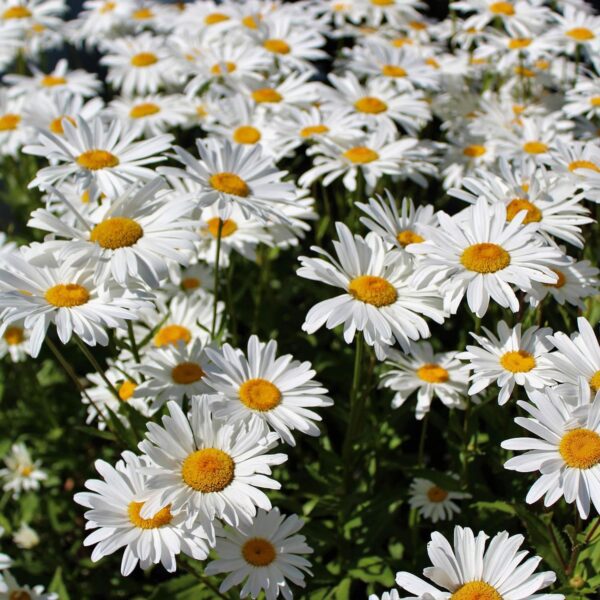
x,y
190,283
505,9
215,18
19,595
38,28
360,155
67,295
382,2
276,46
373,290
126,390
145,109
474,150
541,64
595,101
27,471
56,125
246,134
485,258
160,519
16,12
117,232
258,552
560,281
433,373
230,67
581,34
186,373
436,494
535,147
432,62
259,394
144,59
229,183
229,227
583,164
518,361
142,14
580,448
523,72
417,25
477,590
313,130
52,80
516,205
250,22
370,105
266,96
518,43
393,71
14,336
407,237
171,334
595,381
9,121
208,470
401,41
97,159
107,7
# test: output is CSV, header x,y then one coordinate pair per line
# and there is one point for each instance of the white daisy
x,y
60,293
115,516
432,374
173,372
276,96
510,358
228,175
209,468
104,154
14,342
264,554
434,502
26,537
481,254
14,131
566,449
377,298
470,570
279,391
21,474
10,588
133,237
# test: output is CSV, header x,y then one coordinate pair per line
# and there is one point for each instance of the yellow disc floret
x,y
276,46
393,71
14,336
258,552
518,361
246,134
485,258
583,164
535,147
171,335
595,381
370,105
116,232
360,155
160,519
313,130
228,228
505,9
126,390
516,205
408,236
52,80
144,59
144,109
580,448
476,590
581,34
186,373
208,470
97,159
474,150
259,394
67,295
433,373
373,290
9,121
16,12
229,183
266,96
436,494
217,69
56,125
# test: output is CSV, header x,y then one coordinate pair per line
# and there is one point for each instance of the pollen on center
x,y
171,335
160,519
229,183
485,258
360,155
95,160
67,295
580,448
187,372
518,361
208,470
259,394
370,105
373,290
116,232
258,552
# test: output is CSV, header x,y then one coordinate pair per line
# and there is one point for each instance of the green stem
x,y
92,360
422,440
556,546
230,305
357,401
134,347
216,280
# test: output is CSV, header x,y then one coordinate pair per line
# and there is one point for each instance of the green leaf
x,y
57,585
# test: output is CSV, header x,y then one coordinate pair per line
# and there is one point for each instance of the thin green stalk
x,y
216,280
421,457
92,360
134,347
230,305
556,546
357,400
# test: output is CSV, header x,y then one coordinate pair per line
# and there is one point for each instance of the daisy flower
x,y
265,554
481,254
377,298
433,502
98,152
577,281
22,14
59,80
25,537
583,99
391,595
463,155
209,468
190,279
394,12
470,570
125,380
14,131
152,114
578,356
140,64
566,449
21,474
513,357
576,28
173,372
115,515
277,96
132,238
14,342
263,387
99,21
438,375
228,175
10,588
60,293
373,156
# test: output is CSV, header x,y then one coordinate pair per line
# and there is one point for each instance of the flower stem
x,y
134,347
421,457
92,360
357,401
216,280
